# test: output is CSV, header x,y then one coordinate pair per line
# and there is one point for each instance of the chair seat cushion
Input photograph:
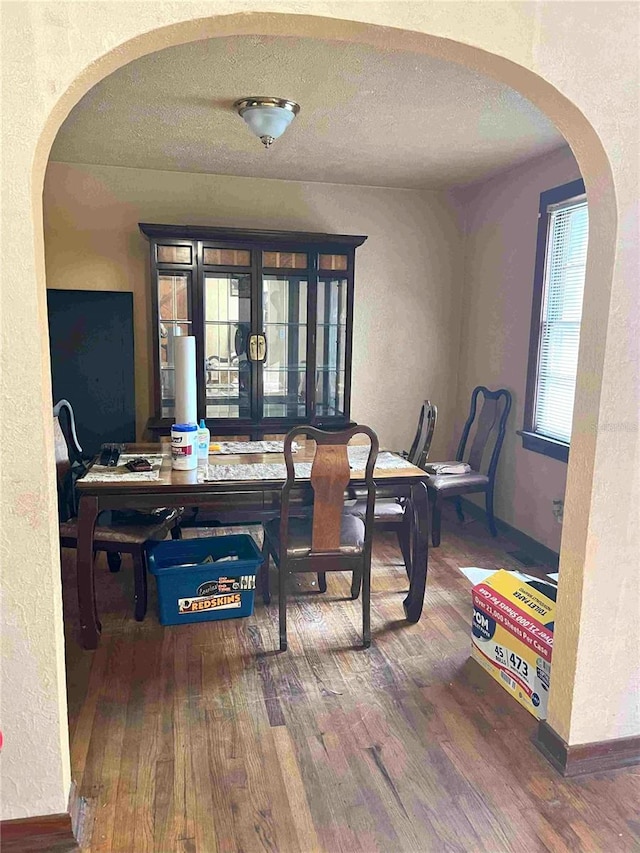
x,y
386,509
457,483
299,545
127,534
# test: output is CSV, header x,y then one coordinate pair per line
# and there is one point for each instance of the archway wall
x,y
560,56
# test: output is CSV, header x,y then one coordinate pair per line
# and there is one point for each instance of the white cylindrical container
x,y
184,446
186,406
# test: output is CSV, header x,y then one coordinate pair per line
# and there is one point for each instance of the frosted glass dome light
x,y
268,118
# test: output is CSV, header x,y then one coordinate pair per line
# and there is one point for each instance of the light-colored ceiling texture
x,y
368,116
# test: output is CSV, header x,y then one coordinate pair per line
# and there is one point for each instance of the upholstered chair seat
x,y
130,534
299,545
385,509
457,483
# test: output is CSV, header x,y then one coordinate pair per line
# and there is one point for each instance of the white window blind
x,y
565,264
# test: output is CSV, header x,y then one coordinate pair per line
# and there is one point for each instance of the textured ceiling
x,y
368,116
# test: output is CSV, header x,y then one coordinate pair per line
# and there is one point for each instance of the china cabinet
x,y
272,315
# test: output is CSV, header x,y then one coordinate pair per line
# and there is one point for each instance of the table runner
x,y
242,447
278,471
385,461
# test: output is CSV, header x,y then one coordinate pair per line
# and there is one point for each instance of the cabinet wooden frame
x,y
256,242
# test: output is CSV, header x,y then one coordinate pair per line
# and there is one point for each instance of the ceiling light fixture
x,y
268,118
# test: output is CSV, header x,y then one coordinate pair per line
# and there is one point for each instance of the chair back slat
x,y
63,463
487,420
419,451
63,411
330,475
66,503
69,461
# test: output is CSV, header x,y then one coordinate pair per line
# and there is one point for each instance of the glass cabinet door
x,y
271,314
174,318
284,370
331,347
228,374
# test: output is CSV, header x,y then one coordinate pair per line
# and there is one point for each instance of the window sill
x,y
547,446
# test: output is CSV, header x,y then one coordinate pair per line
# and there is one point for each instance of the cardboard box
x,y
512,638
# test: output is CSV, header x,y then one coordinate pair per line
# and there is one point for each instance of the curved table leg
x,y
419,508
403,532
89,624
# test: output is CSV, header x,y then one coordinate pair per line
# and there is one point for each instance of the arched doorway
x,y
576,128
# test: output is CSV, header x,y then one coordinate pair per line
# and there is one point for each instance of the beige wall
x,y
52,53
408,272
413,273
500,221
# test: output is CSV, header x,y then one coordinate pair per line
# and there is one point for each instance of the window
x,y
561,256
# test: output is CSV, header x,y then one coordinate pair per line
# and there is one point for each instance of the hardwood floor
x,y
202,738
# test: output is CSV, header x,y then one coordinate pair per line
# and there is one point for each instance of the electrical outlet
x,y
558,510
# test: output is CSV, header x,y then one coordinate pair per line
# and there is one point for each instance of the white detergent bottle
x,y
204,437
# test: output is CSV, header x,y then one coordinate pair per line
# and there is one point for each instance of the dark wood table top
x,y
171,480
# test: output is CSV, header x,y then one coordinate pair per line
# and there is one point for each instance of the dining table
x,y
234,487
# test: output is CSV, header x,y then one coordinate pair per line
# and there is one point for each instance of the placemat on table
x,y
119,473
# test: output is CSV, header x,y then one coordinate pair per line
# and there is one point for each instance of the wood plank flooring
x,y
204,739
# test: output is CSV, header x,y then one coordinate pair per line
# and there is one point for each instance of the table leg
x,y
419,509
89,624
404,536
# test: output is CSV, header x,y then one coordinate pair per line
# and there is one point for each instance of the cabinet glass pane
x,y
332,262
331,344
227,303
174,318
285,260
174,254
167,391
173,297
227,257
284,372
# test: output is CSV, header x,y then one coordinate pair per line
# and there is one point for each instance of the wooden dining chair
x,y
487,441
390,513
328,539
113,538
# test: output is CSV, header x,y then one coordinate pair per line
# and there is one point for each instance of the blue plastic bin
x,y
195,582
